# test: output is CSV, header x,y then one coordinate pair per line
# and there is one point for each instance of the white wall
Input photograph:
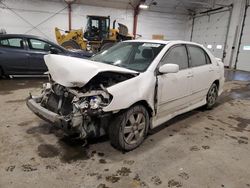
x,y
171,26
35,12
31,13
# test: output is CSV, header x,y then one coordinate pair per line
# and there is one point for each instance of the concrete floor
x,y
197,149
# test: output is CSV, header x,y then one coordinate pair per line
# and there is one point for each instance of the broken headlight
x,y
92,102
95,102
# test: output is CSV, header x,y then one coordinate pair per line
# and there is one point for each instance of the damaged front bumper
x,y
75,112
34,104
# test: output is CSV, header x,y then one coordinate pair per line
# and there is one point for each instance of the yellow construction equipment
x,y
97,36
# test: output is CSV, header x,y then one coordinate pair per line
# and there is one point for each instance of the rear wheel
x,y
212,96
1,73
129,128
71,44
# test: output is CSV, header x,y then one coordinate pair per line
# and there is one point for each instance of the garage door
x,y
172,27
243,60
211,31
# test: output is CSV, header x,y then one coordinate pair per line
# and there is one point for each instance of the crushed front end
x,y
77,110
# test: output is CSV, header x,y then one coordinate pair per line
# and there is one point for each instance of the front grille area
x,y
53,101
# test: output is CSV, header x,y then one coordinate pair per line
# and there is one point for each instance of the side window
x,y
4,42
176,55
197,55
95,23
208,60
39,45
12,42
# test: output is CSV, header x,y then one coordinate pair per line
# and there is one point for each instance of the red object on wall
x,y
69,12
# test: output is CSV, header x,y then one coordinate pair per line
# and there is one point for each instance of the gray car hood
x,y
76,72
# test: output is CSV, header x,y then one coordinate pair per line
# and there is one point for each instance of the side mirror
x,y
169,68
54,50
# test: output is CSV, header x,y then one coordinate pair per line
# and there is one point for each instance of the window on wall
x,y
12,42
198,56
177,55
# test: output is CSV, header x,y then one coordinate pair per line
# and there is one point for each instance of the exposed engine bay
x,y
80,109
106,79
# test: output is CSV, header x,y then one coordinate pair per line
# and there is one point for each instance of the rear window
x,y
11,42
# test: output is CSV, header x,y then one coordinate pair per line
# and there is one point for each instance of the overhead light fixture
x,y
143,6
69,1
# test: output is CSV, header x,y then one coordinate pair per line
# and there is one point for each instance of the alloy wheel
x,y
212,96
134,129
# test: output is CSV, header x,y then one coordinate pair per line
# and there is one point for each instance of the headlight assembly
x,y
95,102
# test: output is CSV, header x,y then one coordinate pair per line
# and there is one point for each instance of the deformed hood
x,y
76,72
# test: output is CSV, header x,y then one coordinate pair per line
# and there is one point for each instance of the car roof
x,y
24,36
164,41
21,35
28,36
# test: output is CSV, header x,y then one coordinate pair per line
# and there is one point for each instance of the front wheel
x,y
212,96
129,129
2,75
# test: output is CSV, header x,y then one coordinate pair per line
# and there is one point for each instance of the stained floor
x,y
198,149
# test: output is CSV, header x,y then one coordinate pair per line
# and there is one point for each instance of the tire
x,y
107,46
212,96
1,73
129,128
71,44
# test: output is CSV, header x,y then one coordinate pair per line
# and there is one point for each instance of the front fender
x,y
127,93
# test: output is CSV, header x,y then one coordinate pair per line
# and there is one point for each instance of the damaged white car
x,y
128,89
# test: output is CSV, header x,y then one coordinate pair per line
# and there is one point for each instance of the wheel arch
x,y
146,105
217,82
2,72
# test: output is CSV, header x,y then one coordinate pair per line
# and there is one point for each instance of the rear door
x,y
37,49
203,72
13,55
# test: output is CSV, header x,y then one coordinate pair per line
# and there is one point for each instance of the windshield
x,y
131,55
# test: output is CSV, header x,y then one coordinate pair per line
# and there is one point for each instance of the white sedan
x,y
128,89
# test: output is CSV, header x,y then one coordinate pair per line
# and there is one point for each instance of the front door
x,y
174,89
37,50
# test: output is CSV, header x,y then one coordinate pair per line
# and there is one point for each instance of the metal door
x,y
243,59
211,30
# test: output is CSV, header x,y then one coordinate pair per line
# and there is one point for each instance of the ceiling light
x,y
143,6
69,1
